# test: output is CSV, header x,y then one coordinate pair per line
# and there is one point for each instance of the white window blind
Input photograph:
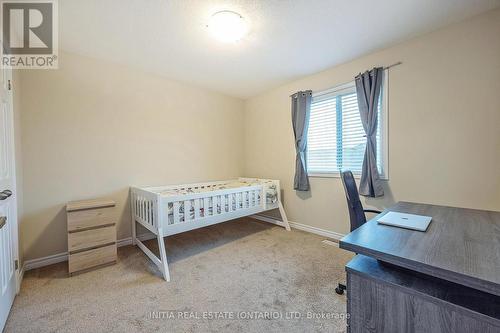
x,y
336,138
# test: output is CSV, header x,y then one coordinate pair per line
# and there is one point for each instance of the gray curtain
x,y
301,109
368,87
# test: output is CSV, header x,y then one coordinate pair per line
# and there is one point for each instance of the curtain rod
x,y
393,65
342,85
324,92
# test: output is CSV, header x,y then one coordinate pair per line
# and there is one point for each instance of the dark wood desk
x,y
461,247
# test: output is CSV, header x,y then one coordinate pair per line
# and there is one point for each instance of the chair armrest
x,y
372,211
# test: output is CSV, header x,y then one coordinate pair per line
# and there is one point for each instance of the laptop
x,y
407,221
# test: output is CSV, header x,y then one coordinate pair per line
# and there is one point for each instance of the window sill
x,y
328,175
337,175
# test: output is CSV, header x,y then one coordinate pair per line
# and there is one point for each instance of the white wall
x,y
92,129
444,126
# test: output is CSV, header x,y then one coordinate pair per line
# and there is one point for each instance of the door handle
x,y
5,194
3,220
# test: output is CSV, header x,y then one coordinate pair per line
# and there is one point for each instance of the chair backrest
x,y
356,213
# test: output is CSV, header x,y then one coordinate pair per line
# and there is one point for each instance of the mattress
x,y
270,186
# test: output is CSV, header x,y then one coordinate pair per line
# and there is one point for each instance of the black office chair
x,y
356,211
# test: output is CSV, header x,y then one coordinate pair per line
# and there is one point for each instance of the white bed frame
x,y
150,209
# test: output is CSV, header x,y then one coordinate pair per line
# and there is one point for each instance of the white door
x,y
8,206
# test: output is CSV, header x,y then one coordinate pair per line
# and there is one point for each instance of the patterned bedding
x,y
271,187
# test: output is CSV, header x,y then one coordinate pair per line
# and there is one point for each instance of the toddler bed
x,y
169,210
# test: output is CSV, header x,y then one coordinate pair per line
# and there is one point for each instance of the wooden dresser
x,y
91,234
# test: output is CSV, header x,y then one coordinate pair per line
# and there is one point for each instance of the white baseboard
x,y
45,261
60,257
303,227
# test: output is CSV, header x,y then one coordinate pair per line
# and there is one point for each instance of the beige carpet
x,y
258,274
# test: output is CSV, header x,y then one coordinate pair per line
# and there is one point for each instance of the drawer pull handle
x,y
5,194
3,221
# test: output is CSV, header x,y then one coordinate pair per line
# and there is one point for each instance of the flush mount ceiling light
x,y
227,26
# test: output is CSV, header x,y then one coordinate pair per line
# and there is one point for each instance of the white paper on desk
x,y
407,221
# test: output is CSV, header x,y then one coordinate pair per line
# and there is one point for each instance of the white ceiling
x,y
288,39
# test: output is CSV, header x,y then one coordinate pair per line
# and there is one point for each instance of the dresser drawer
x,y
92,258
91,238
89,218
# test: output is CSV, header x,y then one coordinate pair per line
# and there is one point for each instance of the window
x,y
336,138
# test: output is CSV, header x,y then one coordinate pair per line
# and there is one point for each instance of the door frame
x,y
11,86
19,269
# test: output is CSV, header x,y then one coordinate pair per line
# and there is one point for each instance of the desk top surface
x,y
461,245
